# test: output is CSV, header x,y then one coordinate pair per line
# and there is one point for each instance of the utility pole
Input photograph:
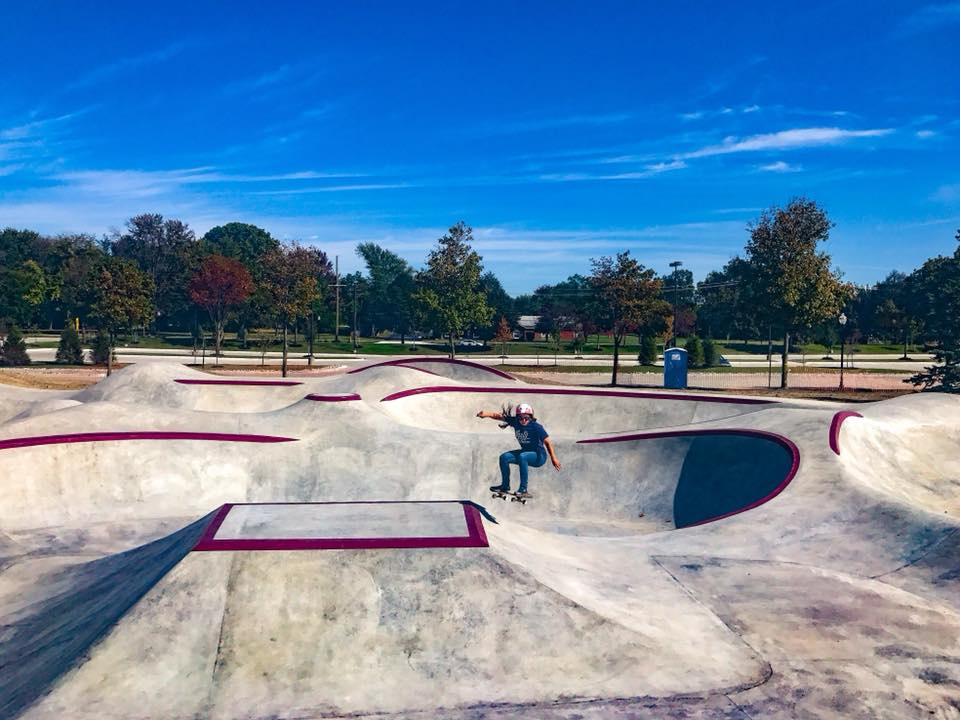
x,y
676,298
354,316
336,325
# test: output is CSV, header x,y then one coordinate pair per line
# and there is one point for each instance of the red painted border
x,y
835,424
780,439
475,537
137,435
573,391
184,381
343,397
452,361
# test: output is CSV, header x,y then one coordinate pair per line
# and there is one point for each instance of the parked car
x,y
470,342
723,362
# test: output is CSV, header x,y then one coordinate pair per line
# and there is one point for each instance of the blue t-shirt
x,y
530,436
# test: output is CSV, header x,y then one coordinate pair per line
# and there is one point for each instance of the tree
x,y
694,348
498,300
389,288
164,250
935,291
710,355
219,286
449,287
121,298
727,309
247,244
648,350
290,285
69,350
630,295
23,288
793,284
504,334
13,351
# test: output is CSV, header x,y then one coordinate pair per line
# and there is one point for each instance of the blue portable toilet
x,y
675,368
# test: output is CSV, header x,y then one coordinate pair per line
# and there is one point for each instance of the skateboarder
x,y
534,446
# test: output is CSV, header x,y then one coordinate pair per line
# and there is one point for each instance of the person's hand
x,y
480,414
556,464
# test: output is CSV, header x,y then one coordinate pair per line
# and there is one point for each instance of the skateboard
x,y
514,497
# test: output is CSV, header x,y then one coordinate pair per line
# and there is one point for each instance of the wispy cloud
x,y
932,17
947,194
786,140
780,167
127,65
647,172
924,134
262,80
335,188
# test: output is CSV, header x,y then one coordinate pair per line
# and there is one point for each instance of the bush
x,y
100,352
694,351
648,351
711,357
70,351
14,349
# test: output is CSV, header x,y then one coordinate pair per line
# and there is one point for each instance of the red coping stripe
x,y
835,424
780,439
138,435
343,397
573,391
451,361
184,381
475,537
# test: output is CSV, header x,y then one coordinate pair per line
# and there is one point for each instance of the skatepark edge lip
x,y
412,362
341,397
784,442
576,391
835,424
68,438
198,381
475,537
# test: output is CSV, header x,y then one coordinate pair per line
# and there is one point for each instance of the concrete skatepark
x,y
178,545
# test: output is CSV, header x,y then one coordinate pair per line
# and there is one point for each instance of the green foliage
x,y
70,351
388,290
694,351
101,350
239,241
711,356
793,285
935,290
449,291
648,350
121,296
23,288
14,349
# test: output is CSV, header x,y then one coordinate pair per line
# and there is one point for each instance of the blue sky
x,y
560,131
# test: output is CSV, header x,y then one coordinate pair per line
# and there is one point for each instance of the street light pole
x,y
843,321
676,298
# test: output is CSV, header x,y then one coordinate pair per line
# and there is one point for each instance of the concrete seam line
x,y
575,391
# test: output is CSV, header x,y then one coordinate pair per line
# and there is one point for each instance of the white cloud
x,y
780,167
923,134
786,140
751,109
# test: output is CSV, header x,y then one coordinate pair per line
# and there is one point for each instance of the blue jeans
x,y
525,459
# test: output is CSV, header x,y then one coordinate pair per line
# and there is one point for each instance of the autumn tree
x,y
629,293
219,286
449,287
791,282
121,297
504,334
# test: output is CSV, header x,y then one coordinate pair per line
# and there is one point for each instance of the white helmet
x,y
524,409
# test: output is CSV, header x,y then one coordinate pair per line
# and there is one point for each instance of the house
x,y
528,327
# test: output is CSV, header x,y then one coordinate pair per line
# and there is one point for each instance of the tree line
x,y
157,275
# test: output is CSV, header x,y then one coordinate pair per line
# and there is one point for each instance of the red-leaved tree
x,y
219,286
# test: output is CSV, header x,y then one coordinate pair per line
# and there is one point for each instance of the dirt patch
x,y
52,378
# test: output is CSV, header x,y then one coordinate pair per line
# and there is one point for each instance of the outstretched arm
x,y
553,455
491,415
